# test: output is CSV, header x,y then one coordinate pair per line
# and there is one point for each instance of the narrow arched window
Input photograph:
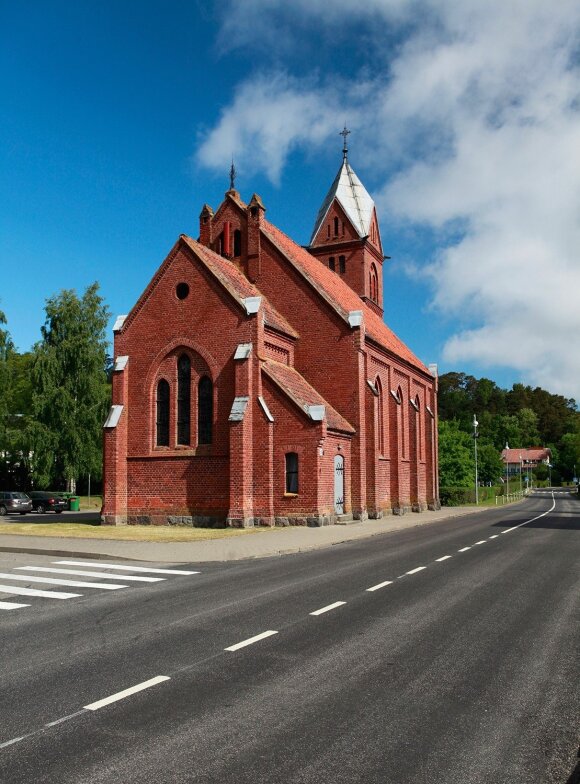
x,y
162,414
237,243
342,264
328,230
204,410
374,284
331,263
380,417
336,227
183,400
291,472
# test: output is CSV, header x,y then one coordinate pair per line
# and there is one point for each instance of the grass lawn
x,y
126,533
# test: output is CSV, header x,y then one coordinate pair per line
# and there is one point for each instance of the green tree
x,y
6,348
456,457
489,464
570,453
71,393
528,426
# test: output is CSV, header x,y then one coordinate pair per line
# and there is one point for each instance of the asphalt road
x,y
459,667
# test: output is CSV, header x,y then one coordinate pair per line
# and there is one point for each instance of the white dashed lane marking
x,y
480,542
251,640
444,557
327,608
464,549
11,605
120,695
380,585
418,569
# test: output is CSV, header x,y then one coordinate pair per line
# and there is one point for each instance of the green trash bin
x,y
74,503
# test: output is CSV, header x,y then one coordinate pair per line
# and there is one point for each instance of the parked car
x,y
44,501
15,502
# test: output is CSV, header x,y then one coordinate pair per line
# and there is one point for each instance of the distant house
x,y
518,460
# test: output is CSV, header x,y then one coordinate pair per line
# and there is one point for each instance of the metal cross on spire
x,y
344,133
232,176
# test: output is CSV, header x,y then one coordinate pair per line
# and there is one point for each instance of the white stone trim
x,y
316,413
428,409
414,404
396,396
118,325
121,362
433,369
114,416
238,409
265,409
252,304
243,351
374,390
355,318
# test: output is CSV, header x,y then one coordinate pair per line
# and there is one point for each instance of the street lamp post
x,y
507,469
475,437
520,474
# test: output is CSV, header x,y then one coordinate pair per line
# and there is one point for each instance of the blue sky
x,y
119,120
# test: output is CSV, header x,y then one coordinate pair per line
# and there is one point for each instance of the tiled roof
x,y
339,294
303,394
237,284
354,199
535,454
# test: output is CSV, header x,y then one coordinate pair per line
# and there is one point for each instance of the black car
x,y
43,501
15,502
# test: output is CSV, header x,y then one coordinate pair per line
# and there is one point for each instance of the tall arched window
x,y
291,472
204,411
342,264
374,284
331,263
183,399
381,417
336,227
162,414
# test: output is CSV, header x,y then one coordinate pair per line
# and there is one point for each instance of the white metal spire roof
x,y
352,197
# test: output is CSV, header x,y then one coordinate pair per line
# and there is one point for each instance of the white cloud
x,y
270,115
478,110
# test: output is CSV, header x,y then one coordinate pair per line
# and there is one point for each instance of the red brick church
x,y
256,383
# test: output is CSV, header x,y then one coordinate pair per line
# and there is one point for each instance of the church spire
x,y
232,176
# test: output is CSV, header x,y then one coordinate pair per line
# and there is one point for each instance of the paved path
x,y
270,542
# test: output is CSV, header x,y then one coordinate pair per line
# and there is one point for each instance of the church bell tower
x,y
346,236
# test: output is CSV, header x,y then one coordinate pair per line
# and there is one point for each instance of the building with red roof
x,y
256,383
519,460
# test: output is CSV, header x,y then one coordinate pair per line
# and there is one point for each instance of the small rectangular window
x,y
291,472
331,263
341,265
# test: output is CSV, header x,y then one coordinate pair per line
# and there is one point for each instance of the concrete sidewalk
x,y
262,544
